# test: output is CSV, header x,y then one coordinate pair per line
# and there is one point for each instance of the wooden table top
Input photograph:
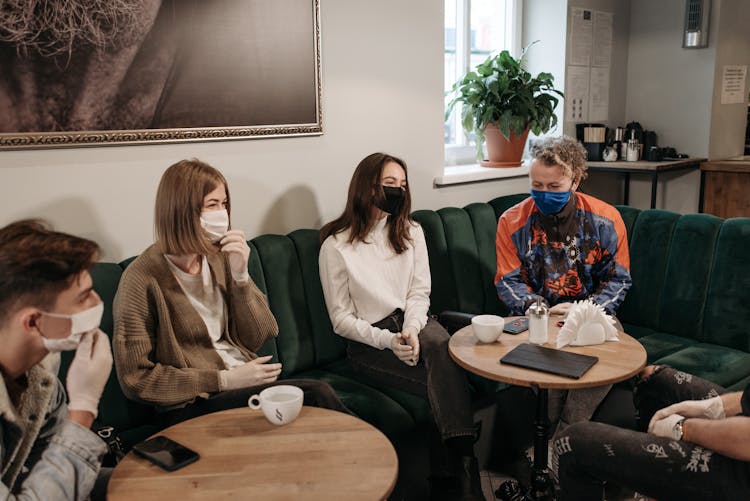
x,y
644,166
323,454
726,166
617,360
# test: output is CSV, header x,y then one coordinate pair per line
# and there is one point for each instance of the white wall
x,y
669,90
619,66
609,187
544,22
728,121
382,91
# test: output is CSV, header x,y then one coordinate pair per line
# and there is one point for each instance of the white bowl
x,y
487,328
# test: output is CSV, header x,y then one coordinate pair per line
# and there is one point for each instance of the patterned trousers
x,y
589,454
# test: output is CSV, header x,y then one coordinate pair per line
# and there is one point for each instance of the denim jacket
x,y
43,455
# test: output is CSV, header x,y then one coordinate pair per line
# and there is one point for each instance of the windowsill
x,y
475,173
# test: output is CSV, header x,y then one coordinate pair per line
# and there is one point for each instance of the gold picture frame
x,y
239,69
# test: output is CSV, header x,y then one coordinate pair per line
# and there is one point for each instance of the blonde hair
x,y
564,151
179,200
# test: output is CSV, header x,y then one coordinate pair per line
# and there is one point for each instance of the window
x,y
473,30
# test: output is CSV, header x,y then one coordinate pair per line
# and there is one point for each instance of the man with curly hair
x,y
561,246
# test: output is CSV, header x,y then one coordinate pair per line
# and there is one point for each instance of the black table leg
x,y
541,485
626,197
702,189
654,178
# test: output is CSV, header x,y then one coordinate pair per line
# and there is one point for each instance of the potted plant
x,y
501,102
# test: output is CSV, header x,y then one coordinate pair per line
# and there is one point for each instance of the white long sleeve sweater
x,y
365,281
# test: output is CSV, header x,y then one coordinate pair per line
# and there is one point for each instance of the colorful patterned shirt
x,y
579,253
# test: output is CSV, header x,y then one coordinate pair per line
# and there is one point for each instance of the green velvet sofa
x,y
688,304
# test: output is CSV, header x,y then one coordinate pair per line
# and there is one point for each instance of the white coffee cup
x,y
280,404
487,328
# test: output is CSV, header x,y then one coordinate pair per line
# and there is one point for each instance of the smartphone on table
x,y
166,453
517,325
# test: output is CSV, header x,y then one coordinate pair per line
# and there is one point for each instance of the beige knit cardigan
x,y
162,351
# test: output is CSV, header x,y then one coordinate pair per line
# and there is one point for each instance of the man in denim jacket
x,y
47,305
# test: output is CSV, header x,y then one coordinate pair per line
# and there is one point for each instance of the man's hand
x,y
402,350
711,408
253,373
664,427
561,309
88,373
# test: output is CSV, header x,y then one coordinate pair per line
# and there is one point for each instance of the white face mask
x,y
215,223
80,323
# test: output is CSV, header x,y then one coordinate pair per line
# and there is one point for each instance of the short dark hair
x,y
37,263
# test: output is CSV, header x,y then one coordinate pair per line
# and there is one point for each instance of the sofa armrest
x,y
455,320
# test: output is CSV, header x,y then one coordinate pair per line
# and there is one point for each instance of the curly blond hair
x,y
564,151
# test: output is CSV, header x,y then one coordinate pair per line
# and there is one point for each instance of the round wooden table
x,y
323,454
617,361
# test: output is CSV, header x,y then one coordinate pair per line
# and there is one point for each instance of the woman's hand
x,y
411,338
402,350
253,373
235,245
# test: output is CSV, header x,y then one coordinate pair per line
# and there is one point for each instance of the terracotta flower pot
x,y
503,152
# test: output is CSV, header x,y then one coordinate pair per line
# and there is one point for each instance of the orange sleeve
x,y
505,251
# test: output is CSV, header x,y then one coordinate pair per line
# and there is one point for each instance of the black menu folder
x,y
562,363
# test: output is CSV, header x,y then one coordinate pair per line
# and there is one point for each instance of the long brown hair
x,y
179,200
365,195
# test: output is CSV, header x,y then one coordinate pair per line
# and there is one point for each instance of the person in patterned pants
x,y
693,444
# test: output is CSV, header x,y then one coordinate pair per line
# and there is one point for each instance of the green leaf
x,y
501,91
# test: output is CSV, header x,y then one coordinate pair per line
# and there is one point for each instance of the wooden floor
x,y
490,482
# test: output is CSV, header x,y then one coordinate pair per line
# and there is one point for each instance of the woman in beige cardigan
x,y
188,317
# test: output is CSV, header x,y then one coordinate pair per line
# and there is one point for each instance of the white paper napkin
x,y
587,323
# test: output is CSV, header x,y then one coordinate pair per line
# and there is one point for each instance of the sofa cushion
x,y
328,345
721,365
739,385
629,215
637,331
484,225
367,402
286,297
687,274
661,344
649,252
464,259
417,407
256,273
727,315
442,295
505,202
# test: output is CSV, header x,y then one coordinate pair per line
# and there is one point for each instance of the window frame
x,y
464,151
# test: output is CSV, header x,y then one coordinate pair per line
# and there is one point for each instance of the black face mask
x,y
394,200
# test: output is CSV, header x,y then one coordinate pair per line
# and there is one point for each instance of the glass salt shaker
x,y
538,322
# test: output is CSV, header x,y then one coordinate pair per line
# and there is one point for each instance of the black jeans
x,y
591,453
435,377
317,394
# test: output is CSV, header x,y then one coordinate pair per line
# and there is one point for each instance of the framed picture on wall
x,y
113,72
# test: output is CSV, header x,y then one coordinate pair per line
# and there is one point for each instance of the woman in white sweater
x,y
376,280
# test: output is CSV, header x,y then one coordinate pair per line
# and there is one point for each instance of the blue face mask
x,y
550,202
